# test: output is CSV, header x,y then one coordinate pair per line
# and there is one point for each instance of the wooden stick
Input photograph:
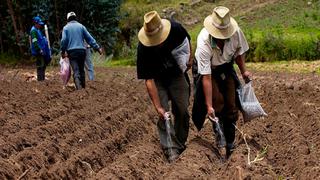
x,y
24,173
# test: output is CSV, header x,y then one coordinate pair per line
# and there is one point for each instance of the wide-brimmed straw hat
x,y
155,30
219,24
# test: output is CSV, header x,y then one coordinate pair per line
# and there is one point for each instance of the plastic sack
x,y
182,54
220,138
251,107
65,71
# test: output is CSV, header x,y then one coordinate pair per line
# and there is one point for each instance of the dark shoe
x,y
83,83
230,148
78,84
172,155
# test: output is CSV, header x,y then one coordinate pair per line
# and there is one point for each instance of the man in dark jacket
x,y
161,43
72,45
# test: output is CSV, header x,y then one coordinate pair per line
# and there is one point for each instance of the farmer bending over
x,y
219,44
164,79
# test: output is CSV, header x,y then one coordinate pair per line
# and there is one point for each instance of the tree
x,y
101,17
14,23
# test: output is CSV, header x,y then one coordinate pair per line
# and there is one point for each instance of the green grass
x,y
286,14
9,59
284,30
294,66
120,62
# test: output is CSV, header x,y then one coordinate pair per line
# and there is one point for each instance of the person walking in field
x,y
160,42
72,45
219,44
88,63
39,47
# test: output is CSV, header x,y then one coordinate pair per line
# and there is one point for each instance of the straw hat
x,y
219,24
155,30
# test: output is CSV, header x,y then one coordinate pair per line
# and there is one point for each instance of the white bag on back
x,y
182,54
251,107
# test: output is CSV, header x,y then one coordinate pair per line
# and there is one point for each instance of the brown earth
x,y
107,131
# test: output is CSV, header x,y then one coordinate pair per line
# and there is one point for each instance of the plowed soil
x,y
108,131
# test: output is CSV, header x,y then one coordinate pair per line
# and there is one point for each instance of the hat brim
x,y
220,33
41,23
158,38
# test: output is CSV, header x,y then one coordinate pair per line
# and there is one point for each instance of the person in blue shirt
x,y
74,36
39,48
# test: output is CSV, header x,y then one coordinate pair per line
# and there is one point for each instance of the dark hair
x,y
72,18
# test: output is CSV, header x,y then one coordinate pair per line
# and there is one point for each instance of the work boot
x,y
78,84
83,82
230,149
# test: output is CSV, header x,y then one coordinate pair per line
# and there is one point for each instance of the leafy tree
x,y
101,17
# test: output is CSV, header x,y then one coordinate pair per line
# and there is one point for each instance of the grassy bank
x,y
275,30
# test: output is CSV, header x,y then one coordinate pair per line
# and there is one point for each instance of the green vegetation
x,y
281,45
8,59
275,30
294,66
300,15
281,30
101,18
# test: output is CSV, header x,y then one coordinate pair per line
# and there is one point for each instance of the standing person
x,y
72,45
164,79
88,63
220,43
39,47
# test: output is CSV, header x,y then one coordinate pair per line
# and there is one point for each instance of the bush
x,y
273,46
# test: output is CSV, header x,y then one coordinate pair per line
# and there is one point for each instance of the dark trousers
x,y
177,90
77,58
224,102
41,67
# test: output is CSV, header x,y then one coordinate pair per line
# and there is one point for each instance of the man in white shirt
x,y
220,43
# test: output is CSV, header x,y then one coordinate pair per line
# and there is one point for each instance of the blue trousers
x,y
89,64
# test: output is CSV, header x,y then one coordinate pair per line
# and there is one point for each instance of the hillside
x,y
275,29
